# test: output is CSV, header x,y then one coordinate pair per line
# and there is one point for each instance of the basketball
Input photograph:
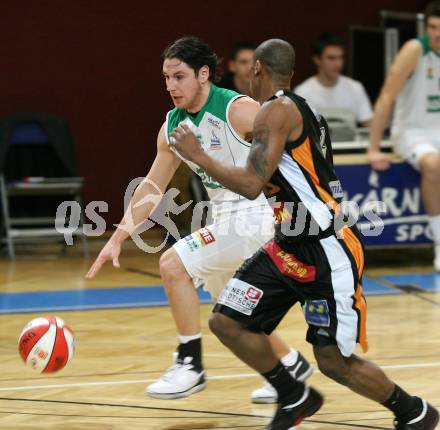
x,y
46,344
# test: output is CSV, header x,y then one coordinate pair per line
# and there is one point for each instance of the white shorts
x,y
212,254
413,144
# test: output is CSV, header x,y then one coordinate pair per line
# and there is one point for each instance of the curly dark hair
x,y
194,52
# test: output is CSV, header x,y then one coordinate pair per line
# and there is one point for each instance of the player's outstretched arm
x,y
150,191
404,64
272,128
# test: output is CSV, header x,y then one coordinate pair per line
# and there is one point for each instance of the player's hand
x,y
186,143
379,160
111,252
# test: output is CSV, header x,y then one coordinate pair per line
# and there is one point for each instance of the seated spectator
x,y
239,67
329,88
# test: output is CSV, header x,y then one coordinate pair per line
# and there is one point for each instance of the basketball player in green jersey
x,y
413,82
223,121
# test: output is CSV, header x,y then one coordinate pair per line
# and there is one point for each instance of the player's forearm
x,y
144,201
237,179
382,111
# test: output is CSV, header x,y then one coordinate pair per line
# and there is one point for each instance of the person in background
x,y
239,67
329,88
413,82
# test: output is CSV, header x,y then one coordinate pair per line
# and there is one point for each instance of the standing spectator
x,y
239,67
413,82
329,88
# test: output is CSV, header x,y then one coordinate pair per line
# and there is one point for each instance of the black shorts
x,y
323,276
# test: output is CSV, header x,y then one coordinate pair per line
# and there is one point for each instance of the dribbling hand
x,y
110,252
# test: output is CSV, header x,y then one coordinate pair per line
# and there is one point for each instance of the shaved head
x,y
278,56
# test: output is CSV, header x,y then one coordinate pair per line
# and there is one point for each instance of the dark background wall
x,y
97,63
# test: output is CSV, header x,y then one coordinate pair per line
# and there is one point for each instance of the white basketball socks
x,y
186,339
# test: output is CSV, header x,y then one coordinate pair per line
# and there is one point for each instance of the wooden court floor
x,y
120,351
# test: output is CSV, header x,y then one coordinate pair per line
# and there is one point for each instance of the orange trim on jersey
x,y
361,306
355,247
302,154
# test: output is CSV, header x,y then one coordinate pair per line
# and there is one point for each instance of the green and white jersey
x,y
418,104
214,130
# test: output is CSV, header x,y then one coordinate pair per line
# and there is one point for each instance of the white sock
x,y
186,339
434,222
290,358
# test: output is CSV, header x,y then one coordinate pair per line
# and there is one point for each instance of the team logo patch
x,y
289,265
316,313
215,141
240,296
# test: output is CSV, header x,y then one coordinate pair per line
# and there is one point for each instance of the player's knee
x,y
333,366
225,328
430,166
331,369
171,267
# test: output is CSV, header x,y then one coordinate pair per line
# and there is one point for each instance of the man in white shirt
x,y
329,88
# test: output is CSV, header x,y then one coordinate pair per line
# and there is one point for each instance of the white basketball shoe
x,y
300,370
181,380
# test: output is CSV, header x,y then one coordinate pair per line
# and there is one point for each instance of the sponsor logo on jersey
x,y
289,265
214,122
206,236
208,181
199,239
215,141
336,188
253,295
317,313
193,242
281,215
240,296
322,142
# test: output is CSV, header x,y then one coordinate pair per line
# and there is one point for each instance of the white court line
x,y
232,376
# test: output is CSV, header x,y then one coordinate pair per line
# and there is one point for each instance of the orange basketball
x,y
46,344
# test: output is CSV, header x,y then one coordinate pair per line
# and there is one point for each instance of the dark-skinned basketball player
x,y
319,265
